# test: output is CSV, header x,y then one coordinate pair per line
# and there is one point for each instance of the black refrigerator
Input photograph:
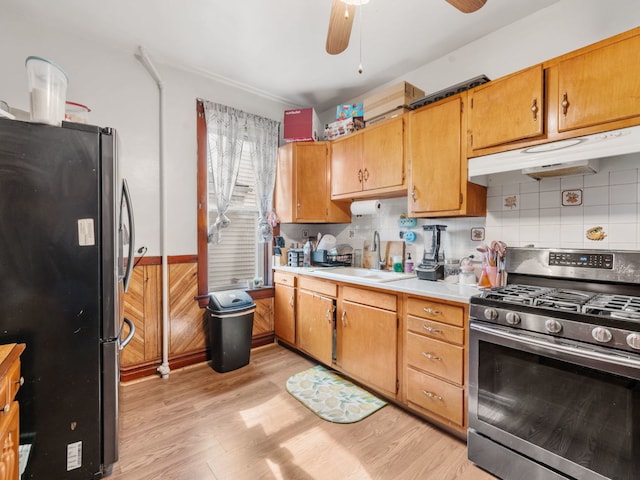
x,y
65,219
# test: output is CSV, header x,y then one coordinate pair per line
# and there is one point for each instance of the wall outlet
x,y
305,233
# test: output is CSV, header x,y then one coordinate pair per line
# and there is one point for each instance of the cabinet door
x,y
311,182
315,316
284,306
367,345
383,155
346,165
508,109
435,153
9,443
599,86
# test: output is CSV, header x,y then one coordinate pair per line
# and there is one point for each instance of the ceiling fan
x,y
343,12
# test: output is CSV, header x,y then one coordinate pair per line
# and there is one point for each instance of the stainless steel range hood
x,y
561,157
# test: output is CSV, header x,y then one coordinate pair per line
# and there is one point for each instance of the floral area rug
x,y
331,397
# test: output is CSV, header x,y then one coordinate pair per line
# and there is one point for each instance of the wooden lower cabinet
x,y
367,338
435,359
10,382
285,307
315,318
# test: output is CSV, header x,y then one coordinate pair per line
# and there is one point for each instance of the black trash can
x,y
230,329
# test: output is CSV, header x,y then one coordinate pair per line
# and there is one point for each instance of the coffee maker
x,y
432,266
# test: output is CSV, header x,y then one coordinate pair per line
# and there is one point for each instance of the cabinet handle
x,y
6,408
431,356
429,329
565,103
344,318
432,395
432,311
413,193
534,109
360,175
291,301
329,314
366,174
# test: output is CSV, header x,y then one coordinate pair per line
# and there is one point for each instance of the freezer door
x,y
110,380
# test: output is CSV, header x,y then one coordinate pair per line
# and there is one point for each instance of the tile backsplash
x,y
598,211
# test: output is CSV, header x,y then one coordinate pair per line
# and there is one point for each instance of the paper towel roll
x,y
365,207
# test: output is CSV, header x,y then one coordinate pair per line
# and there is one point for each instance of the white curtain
x,y
227,131
262,134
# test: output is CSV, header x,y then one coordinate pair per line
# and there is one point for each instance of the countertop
x,y
440,289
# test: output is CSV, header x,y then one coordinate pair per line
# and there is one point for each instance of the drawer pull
x,y
429,329
432,395
6,408
431,356
432,311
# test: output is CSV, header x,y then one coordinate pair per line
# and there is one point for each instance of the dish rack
x,y
325,259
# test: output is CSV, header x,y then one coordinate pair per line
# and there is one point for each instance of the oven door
x,y
570,406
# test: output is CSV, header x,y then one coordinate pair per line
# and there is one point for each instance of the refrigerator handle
x,y
132,235
132,332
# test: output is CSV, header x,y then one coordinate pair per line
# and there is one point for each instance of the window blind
x,y
236,258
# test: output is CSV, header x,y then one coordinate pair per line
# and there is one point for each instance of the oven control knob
x,y
513,318
490,313
601,334
633,340
553,326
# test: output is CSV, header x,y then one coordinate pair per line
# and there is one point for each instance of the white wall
x,y
122,95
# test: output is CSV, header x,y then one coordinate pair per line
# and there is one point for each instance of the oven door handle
x,y
590,354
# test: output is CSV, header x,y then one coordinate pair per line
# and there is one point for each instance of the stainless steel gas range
x,y
554,378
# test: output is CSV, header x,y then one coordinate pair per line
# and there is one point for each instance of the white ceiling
x,y
277,47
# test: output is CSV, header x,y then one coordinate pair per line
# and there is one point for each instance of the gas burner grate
x,y
616,306
515,293
563,299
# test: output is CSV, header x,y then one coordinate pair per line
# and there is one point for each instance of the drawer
x,y
439,331
436,396
322,287
284,278
385,301
439,358
440,312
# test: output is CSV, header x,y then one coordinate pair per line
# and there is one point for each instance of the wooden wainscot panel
x,y
188,331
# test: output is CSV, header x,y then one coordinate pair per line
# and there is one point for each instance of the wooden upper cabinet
x,y
302,192
383,155
438,183
370,162
599,86
508,109
346,165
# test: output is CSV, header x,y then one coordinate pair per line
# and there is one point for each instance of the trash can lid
x,y
229,301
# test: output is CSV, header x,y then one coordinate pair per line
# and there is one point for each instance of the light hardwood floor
x,y
243,425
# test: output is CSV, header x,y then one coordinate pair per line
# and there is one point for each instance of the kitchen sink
x,y
368,274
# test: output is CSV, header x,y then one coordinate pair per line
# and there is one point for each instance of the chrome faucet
x,y
375,247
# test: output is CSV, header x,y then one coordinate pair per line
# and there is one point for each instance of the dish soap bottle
x,y
408,264
306,254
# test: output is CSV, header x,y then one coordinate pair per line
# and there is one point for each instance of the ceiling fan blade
x,y
339,27
467,6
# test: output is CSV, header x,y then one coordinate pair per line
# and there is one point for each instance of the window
x,y
237,258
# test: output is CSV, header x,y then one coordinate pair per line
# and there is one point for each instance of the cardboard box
x,y
386,116
348,110
340,128
399,95
301,125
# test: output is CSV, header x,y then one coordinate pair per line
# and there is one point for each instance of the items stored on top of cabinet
x,y
438,185
590,90
302,190
394,98
370,162
449,91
